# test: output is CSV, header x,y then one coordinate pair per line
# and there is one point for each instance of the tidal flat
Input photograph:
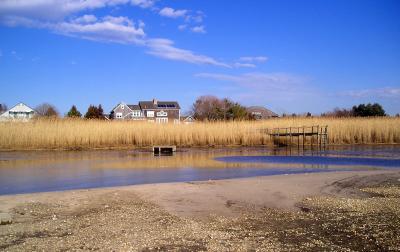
x,y
245,199
335,211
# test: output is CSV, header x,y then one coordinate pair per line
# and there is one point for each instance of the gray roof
x,y
134,107
159,105
264,111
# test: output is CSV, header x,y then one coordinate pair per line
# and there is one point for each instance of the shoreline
x,y
163,193
189,148
306,212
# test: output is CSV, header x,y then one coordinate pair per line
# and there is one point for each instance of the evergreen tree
x,y
92,112
73,112
100,112
368,110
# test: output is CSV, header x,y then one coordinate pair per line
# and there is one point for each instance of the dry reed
x,y
91,134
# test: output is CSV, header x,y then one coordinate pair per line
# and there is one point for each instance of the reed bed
x,y
91,134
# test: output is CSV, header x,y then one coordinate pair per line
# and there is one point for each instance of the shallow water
x,y
39,171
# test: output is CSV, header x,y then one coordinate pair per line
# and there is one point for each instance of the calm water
x,y
25,172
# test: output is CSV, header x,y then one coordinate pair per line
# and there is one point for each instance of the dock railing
x,y
318,135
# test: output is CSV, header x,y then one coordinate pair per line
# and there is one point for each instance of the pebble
x,y
5,218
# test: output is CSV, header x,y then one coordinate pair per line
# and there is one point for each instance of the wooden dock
x,y
164,150
318,135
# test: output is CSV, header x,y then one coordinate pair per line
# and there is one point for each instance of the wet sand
x,y
357,210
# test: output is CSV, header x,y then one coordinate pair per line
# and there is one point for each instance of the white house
x,y
18,112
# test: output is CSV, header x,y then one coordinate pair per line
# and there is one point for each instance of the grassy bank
x,y
87,134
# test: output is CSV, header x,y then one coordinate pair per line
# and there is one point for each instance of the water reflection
x,y
23,172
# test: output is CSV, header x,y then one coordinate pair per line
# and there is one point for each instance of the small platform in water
x,y
164,150
301,134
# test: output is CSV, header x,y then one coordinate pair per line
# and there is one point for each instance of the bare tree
x,y
206,108
47,110
212,108
3,107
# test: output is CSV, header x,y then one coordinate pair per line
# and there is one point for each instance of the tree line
x,y
211,108
50,111
362,110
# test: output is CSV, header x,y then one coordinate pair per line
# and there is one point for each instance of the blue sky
x,y
290,56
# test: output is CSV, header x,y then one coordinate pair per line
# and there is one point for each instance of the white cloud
x,y
264,88
258,59
198,29
143,3
16,12
385,92
85,19
250,65
109,29
260,81
60,16
51,9
171,13
197,17
164,48
16,56
182,27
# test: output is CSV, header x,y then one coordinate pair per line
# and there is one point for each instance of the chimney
x,y
154,101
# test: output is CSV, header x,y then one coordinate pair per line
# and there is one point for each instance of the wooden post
x,y
311,136
286,136
298,137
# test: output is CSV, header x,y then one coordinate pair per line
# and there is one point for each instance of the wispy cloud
x,y
172,13
260,81
85,19
199,29
143,3
60,16
258,59
250,65
164,48
384,92
262,88
52,9
16,56
250,62
182,27
108,29
198,17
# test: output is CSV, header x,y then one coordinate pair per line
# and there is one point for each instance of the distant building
x,y
124,111
20,112
261,113
188,119
152,111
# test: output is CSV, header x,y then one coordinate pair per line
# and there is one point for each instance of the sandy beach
x,y
332,211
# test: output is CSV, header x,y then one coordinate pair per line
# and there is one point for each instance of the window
x,y
122,106
150,113
162,120
136,113
119,115
162,113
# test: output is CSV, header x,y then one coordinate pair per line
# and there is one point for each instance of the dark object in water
x,y
164,150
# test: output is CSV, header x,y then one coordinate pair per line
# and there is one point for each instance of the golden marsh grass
x,y
91,134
